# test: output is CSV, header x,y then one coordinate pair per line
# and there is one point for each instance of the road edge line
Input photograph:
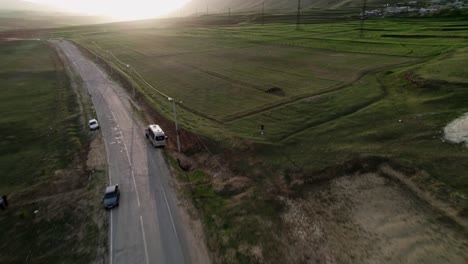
x,y
144,239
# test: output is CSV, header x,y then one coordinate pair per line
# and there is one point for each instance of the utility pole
x,y
131,83
110,61
229,12
207,8
298,14
363,17
263,13
175,121
95,53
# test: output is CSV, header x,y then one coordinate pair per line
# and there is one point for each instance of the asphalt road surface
x,y
147,227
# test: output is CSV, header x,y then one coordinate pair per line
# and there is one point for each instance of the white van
x,y
156,136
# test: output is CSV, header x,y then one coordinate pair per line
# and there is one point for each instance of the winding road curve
x,y
148,226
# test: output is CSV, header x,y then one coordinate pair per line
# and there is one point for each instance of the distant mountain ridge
x,y
221,6
26,6
18,14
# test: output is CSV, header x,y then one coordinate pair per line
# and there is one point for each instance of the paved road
x,y
146,227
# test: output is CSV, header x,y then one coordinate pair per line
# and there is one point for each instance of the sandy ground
x,y
457,130
368,218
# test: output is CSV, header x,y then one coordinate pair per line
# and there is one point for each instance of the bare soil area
x,y
368,218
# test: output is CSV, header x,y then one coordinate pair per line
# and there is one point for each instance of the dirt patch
x,y
96,159
276,91
316,99
232,186
418,184
457,130
419,82
367,218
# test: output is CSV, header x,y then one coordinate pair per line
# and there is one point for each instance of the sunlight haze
x,y
120,9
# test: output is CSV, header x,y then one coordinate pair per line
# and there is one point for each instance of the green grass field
x,y
41,134
36,124
325,95
231,69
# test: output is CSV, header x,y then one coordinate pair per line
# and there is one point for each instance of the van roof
x,y
156,128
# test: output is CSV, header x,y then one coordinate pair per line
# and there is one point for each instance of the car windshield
x,y
110,195
160,138
92,123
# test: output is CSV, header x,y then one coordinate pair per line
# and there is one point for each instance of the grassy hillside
x,y
215,68
332,102
41,138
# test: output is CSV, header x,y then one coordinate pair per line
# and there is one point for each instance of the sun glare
x,y
119,9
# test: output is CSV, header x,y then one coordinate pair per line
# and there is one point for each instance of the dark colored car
x,y
111,197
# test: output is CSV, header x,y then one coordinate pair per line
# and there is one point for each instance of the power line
x,y
263,13
147,83
363,16
298,22
133,69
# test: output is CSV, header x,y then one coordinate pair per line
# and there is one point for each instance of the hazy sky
x,y
122,9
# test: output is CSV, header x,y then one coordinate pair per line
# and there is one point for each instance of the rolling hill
x,y
15,14
26,6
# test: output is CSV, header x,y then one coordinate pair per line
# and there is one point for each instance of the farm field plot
x,y
236,78
27,71
416,38
310,111
448,68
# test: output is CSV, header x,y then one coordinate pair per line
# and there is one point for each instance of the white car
x,y
93,124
